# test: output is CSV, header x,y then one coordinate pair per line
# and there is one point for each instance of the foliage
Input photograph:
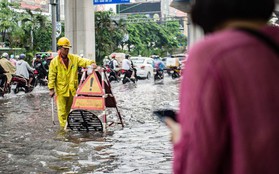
x,y
32,30
103,27
7,18
144,39
108,34
150,37
26,29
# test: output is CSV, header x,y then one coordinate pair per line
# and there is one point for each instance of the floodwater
x,y
30,143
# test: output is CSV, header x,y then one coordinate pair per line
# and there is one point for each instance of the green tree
x,y
119,31
16,37
28,29
31,22
8,18
42,38
149,37
175,38
108,34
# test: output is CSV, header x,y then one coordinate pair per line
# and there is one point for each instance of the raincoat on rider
x,y
8,67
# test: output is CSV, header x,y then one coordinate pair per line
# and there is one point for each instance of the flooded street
x,y
30,143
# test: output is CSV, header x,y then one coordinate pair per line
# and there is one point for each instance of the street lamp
x,y
53,22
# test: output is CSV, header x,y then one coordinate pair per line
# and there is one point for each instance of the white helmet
x,y
6,55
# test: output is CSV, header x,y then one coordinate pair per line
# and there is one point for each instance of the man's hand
x,y
175,129
94,66
51,92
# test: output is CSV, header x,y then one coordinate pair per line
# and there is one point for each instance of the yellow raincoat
x,y
8,66
65,82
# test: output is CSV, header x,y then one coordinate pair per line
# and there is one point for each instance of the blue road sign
x,y
99,2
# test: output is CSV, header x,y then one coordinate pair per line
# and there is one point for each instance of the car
x,y
172,62
144,66
181,57
164,59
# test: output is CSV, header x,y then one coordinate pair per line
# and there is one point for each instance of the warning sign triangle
x,y
91,86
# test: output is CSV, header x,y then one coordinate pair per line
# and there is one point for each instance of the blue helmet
x,y
22,56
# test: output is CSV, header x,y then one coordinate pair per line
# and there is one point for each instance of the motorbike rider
x,y
45,61
113,64
127,67
63,78
39,66
24,69
13,60
159,66
3,78
106,60
37,60
134,74
7,66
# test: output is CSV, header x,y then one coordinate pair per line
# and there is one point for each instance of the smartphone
x,y
162,114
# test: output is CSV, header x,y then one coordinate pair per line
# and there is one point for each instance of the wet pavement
x,y
30,143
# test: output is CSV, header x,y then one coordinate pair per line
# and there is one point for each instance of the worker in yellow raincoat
x,y
63,78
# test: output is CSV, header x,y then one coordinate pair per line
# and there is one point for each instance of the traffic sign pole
x,y
53,20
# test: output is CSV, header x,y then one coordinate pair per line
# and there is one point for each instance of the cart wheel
x,y
82,120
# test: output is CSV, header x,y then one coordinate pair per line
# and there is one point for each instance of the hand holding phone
x,y
164,113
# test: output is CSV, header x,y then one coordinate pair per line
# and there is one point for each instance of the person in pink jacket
x,y
228,119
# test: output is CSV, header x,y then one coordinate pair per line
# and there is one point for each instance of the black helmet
x,y
38,56
22,56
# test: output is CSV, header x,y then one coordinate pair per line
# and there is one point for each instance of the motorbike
x,y
158,75
127,76
40,79
40,75
175,72
20,83
113,75
5,89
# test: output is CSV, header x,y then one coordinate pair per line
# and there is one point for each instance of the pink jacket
x,y
229,106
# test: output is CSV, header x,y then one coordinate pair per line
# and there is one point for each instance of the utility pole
x,y
58,10
53,22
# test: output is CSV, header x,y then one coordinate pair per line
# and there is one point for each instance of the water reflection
x,y
30,143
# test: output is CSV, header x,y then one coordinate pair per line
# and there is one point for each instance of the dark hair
x,y
127,56
209,14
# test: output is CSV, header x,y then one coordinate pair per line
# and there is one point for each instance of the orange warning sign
x,y
91,86
89,103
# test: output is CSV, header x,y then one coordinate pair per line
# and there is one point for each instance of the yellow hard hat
x,y
64,42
